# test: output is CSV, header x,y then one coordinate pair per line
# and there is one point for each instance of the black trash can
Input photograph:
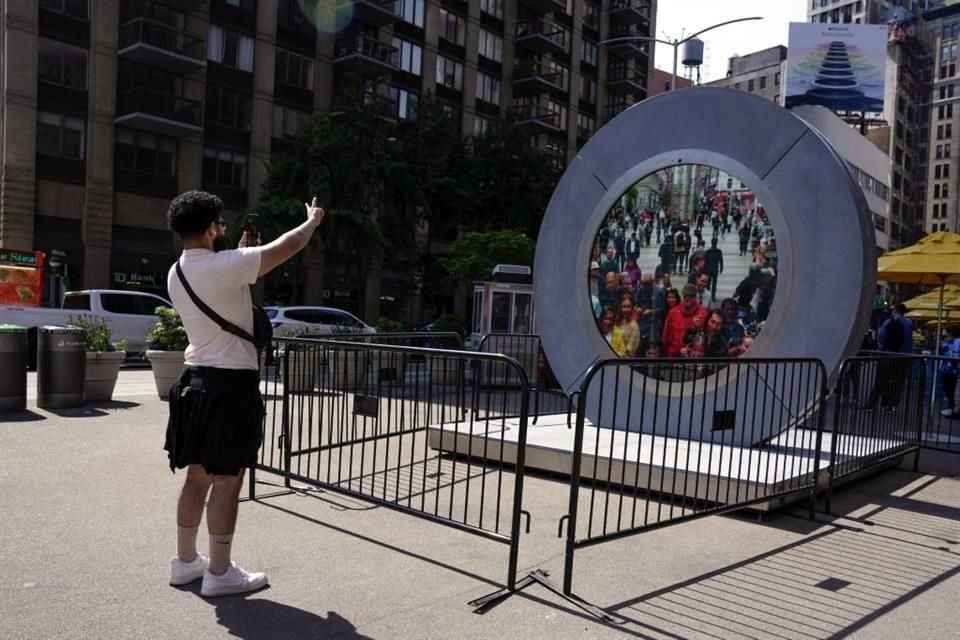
x,y
61,367
13,367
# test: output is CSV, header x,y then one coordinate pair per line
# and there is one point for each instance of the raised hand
x,y
314,212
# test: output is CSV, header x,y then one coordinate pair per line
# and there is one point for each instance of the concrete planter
x,y
103,367
167,366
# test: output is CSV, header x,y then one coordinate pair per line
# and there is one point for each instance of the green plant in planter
x,y
168,333
97,333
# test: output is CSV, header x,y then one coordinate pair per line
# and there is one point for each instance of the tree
x,y
474,254
508,183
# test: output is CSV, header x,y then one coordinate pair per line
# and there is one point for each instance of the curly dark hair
x,y
191,212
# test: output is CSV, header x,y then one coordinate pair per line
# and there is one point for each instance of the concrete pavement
x,y
87,524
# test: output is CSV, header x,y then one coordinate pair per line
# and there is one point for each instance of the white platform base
x,y
706,471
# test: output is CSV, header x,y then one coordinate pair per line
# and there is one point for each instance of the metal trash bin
x,y
61,367
13,367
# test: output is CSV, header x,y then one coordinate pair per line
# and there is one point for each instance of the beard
x,y
220,243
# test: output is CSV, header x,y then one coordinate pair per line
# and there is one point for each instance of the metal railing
x,y
732,434
162,36
542,28
369,48
404,427
158,104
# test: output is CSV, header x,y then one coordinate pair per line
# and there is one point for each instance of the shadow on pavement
x,y
255,619
21,416
829,585
94,409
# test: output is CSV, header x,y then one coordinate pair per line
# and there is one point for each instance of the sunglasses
x,y
221,222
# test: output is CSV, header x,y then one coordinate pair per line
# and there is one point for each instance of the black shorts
x,y
216,420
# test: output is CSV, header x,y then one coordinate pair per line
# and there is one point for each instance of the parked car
x,y
290,321
129,314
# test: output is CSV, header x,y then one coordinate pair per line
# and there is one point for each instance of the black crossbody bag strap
x,y
226,325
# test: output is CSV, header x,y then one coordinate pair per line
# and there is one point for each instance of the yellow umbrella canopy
x,y
934,260
931,314
930,299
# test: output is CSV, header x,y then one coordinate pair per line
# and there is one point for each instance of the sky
x,y
676,18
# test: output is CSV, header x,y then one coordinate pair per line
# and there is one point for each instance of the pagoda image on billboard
x,y
841,67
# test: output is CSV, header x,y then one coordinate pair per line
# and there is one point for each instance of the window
x,y
412,11
561,114
488,88
937,171
454,114
591,15
491,45
449,73
230,48
453,27
60,136
404,103
291,12
410,54
737,85
74,8
763,82
588,89
948,131
941,111
936,210
750,84
946,150
936,191
586,125
146,153
588,52
77,301
948,51
945,190
946,171
950,31
776,79
481,125
493,7
228,107
62,64
225,168
294,69
939,152
287,122
940,132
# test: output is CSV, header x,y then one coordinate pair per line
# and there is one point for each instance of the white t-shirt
x,y
221,280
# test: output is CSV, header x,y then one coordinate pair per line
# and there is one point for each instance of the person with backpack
x,y
214,428
895,337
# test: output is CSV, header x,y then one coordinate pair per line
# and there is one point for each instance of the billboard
x,y
838,66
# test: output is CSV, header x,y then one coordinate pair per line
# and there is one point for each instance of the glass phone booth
x,y
504,304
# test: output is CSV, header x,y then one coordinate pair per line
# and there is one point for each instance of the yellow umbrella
x,y
952,315
934,260
931,299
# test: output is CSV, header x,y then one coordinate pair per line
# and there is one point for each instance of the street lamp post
x,y
676,43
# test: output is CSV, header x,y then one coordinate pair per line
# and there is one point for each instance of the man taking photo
x,y
215,415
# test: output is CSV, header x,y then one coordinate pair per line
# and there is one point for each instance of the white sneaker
x,y
233,580
182,573
947,413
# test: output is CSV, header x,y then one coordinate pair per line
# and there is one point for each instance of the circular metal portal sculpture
x,y
824,231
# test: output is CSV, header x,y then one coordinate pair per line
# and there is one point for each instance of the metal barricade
x,y
392,425
684,465
527,349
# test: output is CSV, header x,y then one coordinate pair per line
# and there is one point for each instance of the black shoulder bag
x,y
262,330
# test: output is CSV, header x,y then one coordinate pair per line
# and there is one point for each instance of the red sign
x,y
22,285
